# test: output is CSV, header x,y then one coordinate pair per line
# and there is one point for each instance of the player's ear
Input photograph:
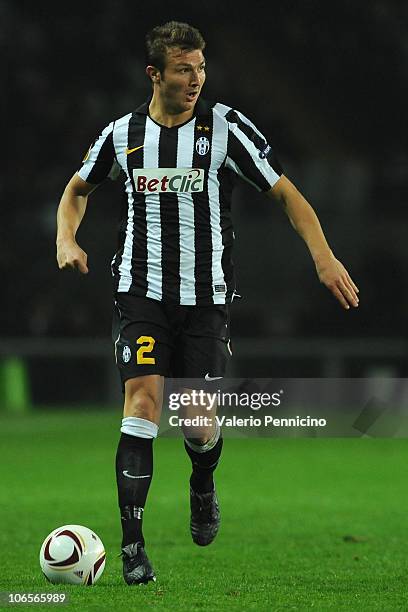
x,y
153,74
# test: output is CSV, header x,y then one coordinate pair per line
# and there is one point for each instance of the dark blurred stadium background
x,y
325,81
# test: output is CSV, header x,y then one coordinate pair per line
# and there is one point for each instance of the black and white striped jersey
x,y
176,233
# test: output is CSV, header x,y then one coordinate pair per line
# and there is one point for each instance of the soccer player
x,y
173,274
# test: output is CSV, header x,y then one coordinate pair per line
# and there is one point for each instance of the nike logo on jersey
x,y
126,473
129,151
209,378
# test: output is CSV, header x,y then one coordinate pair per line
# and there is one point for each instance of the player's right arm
x,y
98,164
70,213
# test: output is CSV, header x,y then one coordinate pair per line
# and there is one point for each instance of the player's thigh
x,y
142,339
204,346
202,354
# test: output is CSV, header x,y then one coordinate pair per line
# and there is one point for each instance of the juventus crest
x,y
202,145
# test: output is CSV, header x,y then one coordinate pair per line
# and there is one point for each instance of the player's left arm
x,y
303,218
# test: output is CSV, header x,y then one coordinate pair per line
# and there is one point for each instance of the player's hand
x,y
334,275
70,255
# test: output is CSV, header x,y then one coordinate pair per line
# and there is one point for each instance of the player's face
x,y
182,79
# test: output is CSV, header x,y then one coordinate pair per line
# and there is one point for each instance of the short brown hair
x,y
171,34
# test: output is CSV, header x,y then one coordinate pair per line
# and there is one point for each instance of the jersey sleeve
x,y
249,154
100,161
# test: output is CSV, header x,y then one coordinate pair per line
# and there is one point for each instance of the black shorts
x,y
152,337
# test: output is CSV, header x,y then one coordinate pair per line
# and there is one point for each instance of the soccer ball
x,y
72,554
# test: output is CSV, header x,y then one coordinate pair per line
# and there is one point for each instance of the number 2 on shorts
x,y
141,359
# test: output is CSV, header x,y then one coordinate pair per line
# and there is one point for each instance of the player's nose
x,y
195,78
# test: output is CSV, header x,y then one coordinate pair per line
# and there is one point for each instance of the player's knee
x,y
202,435
199,436
199,440
141,403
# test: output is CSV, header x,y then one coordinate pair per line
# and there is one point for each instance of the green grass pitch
x,y
286,506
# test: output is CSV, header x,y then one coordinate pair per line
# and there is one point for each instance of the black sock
x,y
204,464
134,459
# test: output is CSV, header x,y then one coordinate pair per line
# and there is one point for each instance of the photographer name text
x,y
266,421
